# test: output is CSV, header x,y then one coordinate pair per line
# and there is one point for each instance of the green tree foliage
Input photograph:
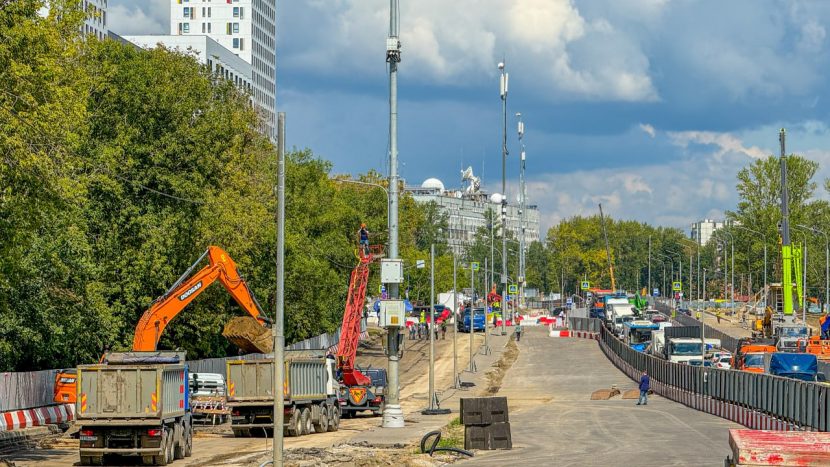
x,y
121,166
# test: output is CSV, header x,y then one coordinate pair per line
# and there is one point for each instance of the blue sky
x,y
648,106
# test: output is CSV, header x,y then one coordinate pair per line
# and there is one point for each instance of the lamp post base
x,y
392,417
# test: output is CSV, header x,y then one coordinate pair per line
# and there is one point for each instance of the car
x,y
723,362
685,311
658,318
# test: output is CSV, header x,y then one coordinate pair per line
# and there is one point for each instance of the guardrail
x,y
754,400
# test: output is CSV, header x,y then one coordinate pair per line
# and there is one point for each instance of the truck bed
x,y
780,448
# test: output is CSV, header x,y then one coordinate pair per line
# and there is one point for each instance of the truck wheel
x,y
322,424
161,459
170,446
306,421
334,420
188,446
178,451
294,423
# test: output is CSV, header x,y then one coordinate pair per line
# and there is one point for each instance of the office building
x,y
466,208
245,27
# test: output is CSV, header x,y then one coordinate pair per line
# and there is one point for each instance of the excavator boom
x,y
222,268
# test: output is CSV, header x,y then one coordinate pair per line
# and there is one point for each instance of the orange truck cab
x,y
816,346
749,355
65,384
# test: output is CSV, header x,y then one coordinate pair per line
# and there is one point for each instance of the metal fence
x,y
584,324
797,404
28,389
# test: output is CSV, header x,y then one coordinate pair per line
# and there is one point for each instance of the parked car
x,y
724,362
658,318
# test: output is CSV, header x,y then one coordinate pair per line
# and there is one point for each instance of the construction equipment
x,y
358,392
135,404
608,250
749,355
310,402
241,332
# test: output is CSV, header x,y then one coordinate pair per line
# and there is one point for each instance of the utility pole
x,y
649,265
471,311
486,302
432,327
392,413
503,88
279,318
455,379
522,206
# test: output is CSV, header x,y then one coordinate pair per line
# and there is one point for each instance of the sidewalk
x,y
416,424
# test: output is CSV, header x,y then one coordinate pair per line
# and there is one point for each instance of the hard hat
x,y
363,225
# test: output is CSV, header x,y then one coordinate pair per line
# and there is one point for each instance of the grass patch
x,y
452,436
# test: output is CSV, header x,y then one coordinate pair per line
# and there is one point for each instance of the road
x,y
219,447
554,422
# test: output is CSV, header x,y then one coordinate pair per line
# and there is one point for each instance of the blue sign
x,y
570,301
656,292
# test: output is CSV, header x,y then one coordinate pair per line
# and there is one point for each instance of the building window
x,y
235,42
236,12
204,28
236,28
188,12
203,12
186,28
208,27
208,12
241,12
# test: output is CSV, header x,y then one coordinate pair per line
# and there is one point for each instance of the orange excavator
x,y
249,333
222,268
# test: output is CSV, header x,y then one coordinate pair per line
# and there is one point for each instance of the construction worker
x,y
767,323
363,238
444,330
698,315
824,325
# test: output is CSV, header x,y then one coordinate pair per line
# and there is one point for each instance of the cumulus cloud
x,y
145,17
648,129
726,143
545,42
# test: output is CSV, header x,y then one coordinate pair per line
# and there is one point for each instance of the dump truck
x,y
134,404
310,396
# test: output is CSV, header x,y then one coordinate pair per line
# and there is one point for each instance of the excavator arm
x,y
222,268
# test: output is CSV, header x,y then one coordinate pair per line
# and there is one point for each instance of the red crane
x,y
350,330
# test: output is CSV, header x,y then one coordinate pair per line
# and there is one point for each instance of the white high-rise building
x,y
702,230
96,21
245,27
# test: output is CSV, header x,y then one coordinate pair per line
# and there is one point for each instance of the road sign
x,y
513,289
656,292
420,263
570,301
677,286
475,266
586,285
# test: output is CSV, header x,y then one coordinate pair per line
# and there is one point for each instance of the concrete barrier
x,y
41,416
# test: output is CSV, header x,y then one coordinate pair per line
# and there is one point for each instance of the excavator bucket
x,y
246,333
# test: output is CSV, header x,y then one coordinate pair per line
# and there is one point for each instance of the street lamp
x,y
765,257
503,85
731,270
826,262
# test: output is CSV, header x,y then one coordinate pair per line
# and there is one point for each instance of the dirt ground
x,y
217,446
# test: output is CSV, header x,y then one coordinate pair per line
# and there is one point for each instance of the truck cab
x,y
789,335
637,333
621,313
479,320
799,366
684,350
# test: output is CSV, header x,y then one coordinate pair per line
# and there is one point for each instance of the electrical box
x,y
391,271
392,313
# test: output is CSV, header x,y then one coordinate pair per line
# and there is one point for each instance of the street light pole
x,y
455,381
472,314
503,90
649,266
764,237
826,262
279,318
522,206
392,412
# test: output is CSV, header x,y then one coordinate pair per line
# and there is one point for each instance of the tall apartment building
x,y
702,230
245,27
96,21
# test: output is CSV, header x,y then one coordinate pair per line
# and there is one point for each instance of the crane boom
x,y
608,251
350,329
222,268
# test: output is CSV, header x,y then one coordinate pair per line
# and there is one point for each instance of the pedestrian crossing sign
x,y
475,266
586,285
513,289
677,286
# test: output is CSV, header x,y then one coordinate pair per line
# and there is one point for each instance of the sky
x,y
649,107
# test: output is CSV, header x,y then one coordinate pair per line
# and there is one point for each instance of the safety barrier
x,y
759,401
41,416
